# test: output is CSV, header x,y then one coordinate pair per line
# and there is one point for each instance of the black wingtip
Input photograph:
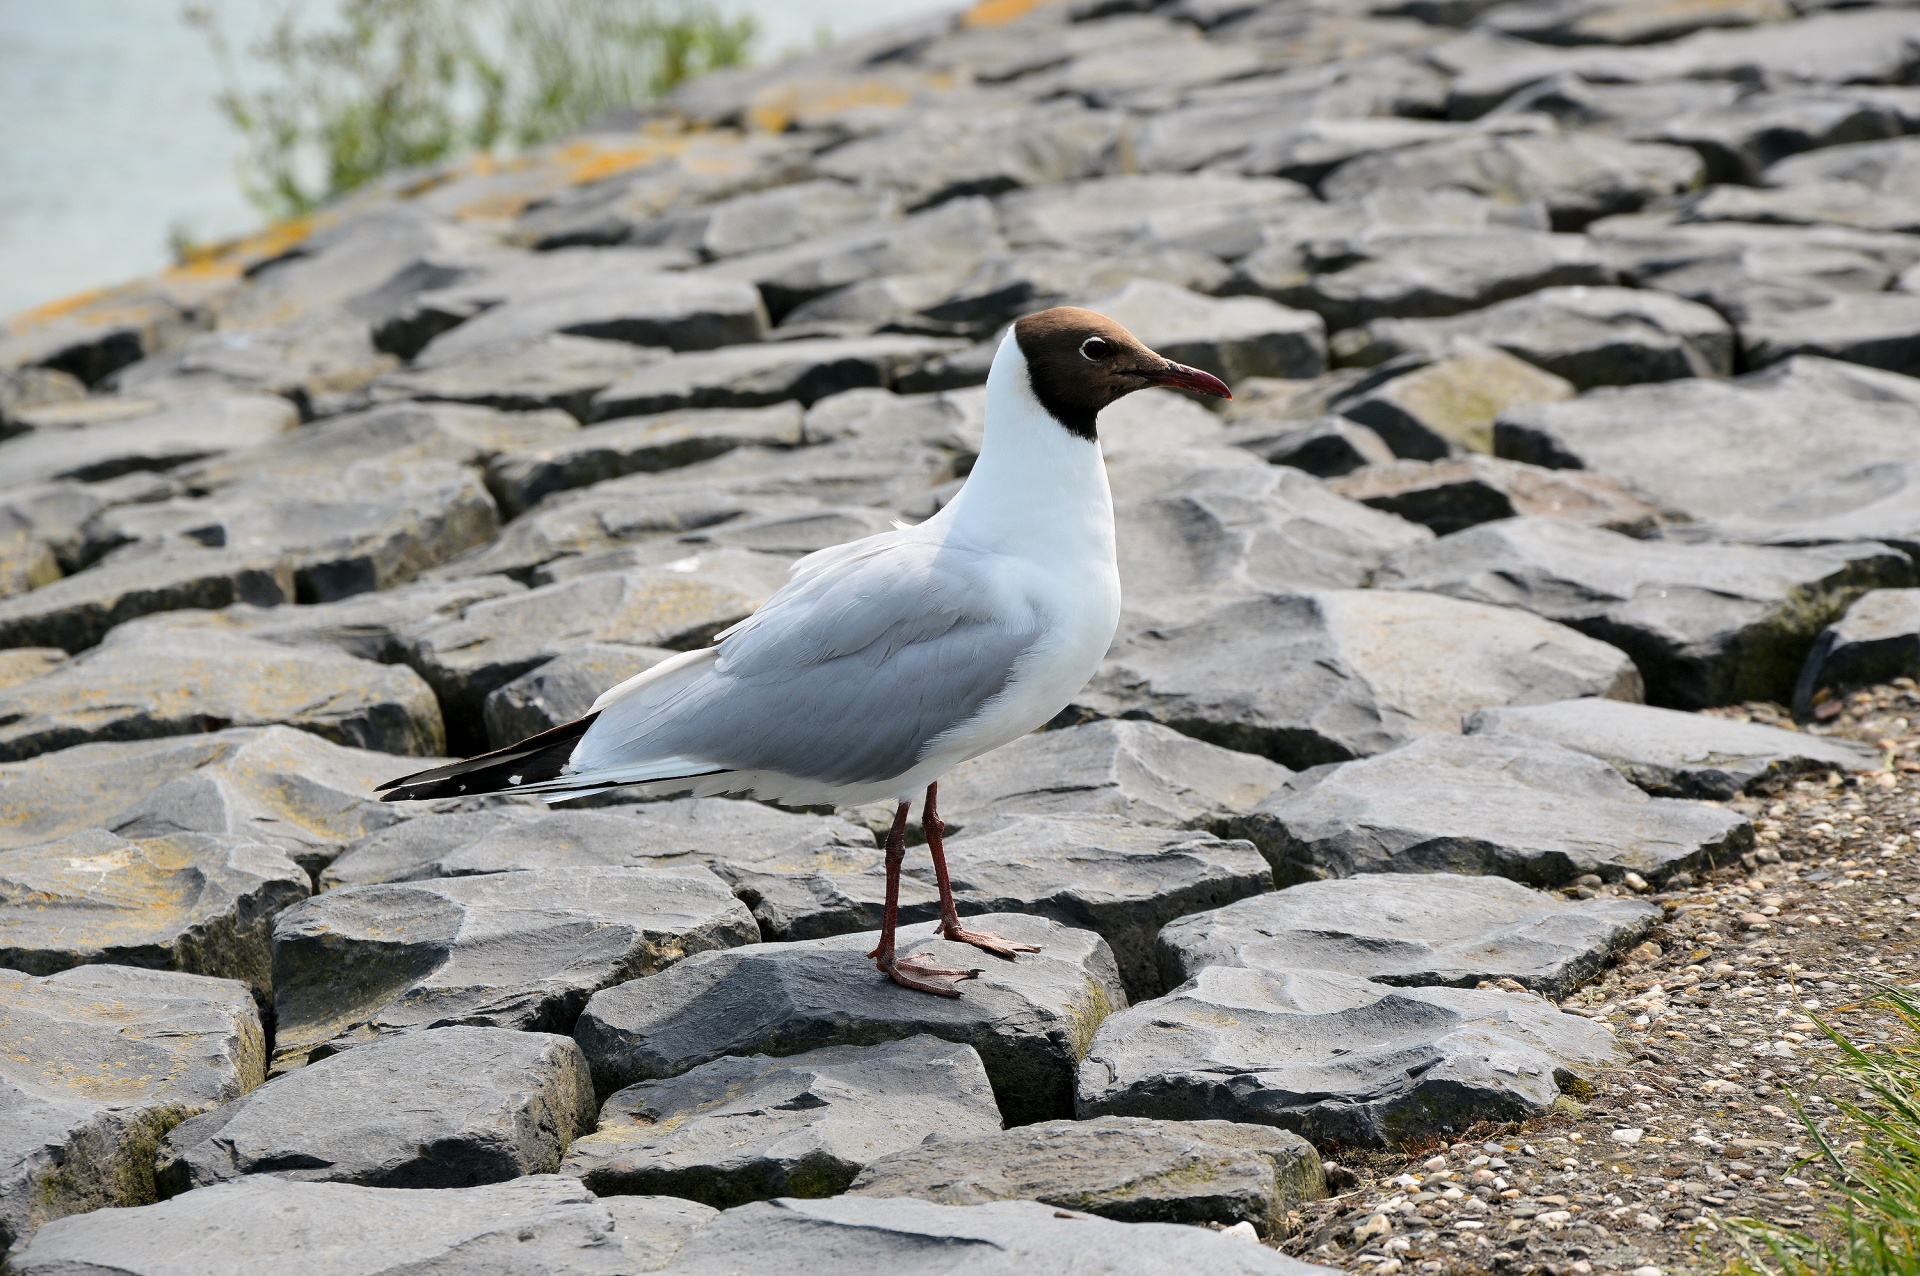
x,y
532,760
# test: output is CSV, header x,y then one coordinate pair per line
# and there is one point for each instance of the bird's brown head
x,y
1079,362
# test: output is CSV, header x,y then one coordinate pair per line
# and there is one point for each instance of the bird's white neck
x,y
1037,489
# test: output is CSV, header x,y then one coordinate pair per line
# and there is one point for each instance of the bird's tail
x,y
536,760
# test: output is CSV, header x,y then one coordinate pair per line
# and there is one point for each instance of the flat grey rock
x,y
547,1223
1410,930
1109,213
1336,1058
545,372
1449,405
276,785
451,1107
1232,337
1464,491
168,435
632,445
739,1130
1740,140
1879,330
1501,805
1330,675
1328,446
1590,336
172,1045
1706,624
1873,503
508,950
76,612
136,686
1023,280
1683,755
756,375
203,903
1877,640
1127,1169
1028,1018
1719,449
1140,771
562,689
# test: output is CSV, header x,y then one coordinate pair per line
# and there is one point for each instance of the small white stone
x,y
1648,1270
1242,1229
1628,1136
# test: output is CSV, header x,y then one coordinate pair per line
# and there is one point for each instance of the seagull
x,y
886,661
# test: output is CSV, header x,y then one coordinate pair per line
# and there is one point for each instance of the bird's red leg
x,y
950,927
914,970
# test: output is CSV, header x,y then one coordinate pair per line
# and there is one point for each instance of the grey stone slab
x,y
870,1237
1873,503
1740,140
1880,330
1598,22
24,389
508,950
287,788
1222,532
553,371
138,686
1837,203
56,513
1415,273
1232,337
169,1045
1890,167
317,361
739,1130
1330,675
337,263
1682,755
1512,807
1721,448
546,1222
1029,1019
1140,771
1023,280
202,903
640,444
1109,213
1328,446
1448,405
763,220
770,372
1579,178
1127,1169
1464,491
450,1107
163,439
1590,336
1336,1058
1411,930
562,689
1877,640
1706,624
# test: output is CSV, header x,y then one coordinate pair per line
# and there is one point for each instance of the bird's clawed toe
x,y
987,941
920,974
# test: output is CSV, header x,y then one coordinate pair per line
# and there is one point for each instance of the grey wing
x,y
846,676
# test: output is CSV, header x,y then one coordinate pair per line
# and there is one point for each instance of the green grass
x,y
1874,1227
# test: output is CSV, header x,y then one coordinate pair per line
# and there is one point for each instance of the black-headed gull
x,y
886,661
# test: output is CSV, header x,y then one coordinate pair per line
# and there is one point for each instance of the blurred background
x,y
115,149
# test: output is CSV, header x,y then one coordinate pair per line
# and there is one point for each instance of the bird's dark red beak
x,y
1182,377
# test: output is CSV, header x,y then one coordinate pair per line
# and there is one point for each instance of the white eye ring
x,y
1094,349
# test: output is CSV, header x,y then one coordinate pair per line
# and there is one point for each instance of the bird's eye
x,y
1096,348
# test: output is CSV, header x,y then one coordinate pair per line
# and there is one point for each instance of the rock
x,y
1706,624
337,263
1231,337
142,685
751,376
1518,808
1464,491
681,604
1873,503
1721,448
1140,771
507,950
1237,531
1682,755
1029,1019
318,361
23,389
195,902
1740,139
161,439
1336,674
1601,23
1010,284
1880,330
861,1235
548,1221
451,1107
1579,178
1123,1168
1105,214
636,445
1450,404
1398,273
562,689
76,612
99,1063
516,838
25,563
1590,336
1411,930
23,664
1814,203
286,788
1328,446
739,1130
1336,1058
56,514
1877,640
553,371
767,219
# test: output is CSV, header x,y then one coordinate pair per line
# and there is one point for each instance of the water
x,y
109,137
